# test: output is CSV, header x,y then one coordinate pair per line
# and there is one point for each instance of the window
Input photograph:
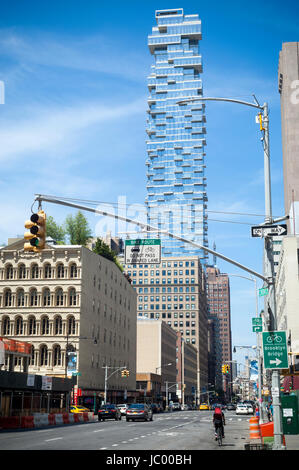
x,y
71,326
21,298
60,271
46,298
73,297
34,271
59,297
48,271
22,271
6,326
44,356
57,355
8,298
32,326
19,326
33,298
45,326
9,272
58,326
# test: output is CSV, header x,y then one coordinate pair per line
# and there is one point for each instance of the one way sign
x,y
269,230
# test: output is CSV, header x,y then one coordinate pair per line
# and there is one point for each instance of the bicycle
x,y
219,436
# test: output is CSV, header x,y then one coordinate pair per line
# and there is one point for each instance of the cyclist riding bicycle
x,y
218,420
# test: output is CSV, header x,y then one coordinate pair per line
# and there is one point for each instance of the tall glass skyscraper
x,y
176,186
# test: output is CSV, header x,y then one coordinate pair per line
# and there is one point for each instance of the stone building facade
x,y
68,298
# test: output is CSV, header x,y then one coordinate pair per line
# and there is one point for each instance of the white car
x,y
250,409
123,408
242,410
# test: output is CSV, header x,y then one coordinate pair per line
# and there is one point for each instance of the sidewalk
x,y
292,442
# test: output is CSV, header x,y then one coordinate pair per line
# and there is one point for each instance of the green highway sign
x,y
143,251
263,291
257,325
275,350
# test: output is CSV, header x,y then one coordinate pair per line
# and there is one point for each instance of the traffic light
x,y
36,237
223,368
227,369
123,373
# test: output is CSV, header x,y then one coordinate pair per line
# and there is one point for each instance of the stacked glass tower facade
x,y
176,185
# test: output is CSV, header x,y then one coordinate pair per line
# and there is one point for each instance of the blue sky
x,y
73,122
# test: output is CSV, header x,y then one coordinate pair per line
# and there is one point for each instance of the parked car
x,y
78,409
242,409
230,406
109,412
176,406
139,411
123,408
204,406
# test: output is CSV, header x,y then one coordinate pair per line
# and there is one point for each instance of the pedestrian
x,y
271,411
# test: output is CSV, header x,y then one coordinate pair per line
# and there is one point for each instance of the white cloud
x,y
47,129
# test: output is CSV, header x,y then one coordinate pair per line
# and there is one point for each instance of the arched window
x,y
22,271
33,298
72,297
74,271
20,298
47,271
71,326
8,298
6,326
43,358
60,271
32,326
46,298
59,297
45,326
34,271
57,355
19,326
58,326
9,272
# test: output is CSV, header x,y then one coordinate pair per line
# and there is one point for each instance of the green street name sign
x,y
275,350
263,291
257,325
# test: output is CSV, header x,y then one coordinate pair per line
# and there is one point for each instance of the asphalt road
x,y
179,430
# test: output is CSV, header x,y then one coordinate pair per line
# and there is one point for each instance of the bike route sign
x,y
143,251
257,325
275,350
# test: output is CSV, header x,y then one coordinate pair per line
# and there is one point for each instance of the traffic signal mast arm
x,y
148,228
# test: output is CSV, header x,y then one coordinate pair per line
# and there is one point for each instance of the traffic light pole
x,y
107,378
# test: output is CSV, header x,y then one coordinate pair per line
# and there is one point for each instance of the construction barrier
x,y
267,433
254,428
44,419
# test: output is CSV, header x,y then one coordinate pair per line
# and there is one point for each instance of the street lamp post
x,y
268,250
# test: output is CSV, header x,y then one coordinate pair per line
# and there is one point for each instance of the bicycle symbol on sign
x,y
274,339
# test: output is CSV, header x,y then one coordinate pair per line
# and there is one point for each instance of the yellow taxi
x,y
78,409
204,406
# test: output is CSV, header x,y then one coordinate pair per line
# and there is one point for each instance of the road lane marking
x,y
53,439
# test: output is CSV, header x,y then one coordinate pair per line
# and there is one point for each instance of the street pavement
x,y
179,431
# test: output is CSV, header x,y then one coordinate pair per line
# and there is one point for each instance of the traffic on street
x,y
181,430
